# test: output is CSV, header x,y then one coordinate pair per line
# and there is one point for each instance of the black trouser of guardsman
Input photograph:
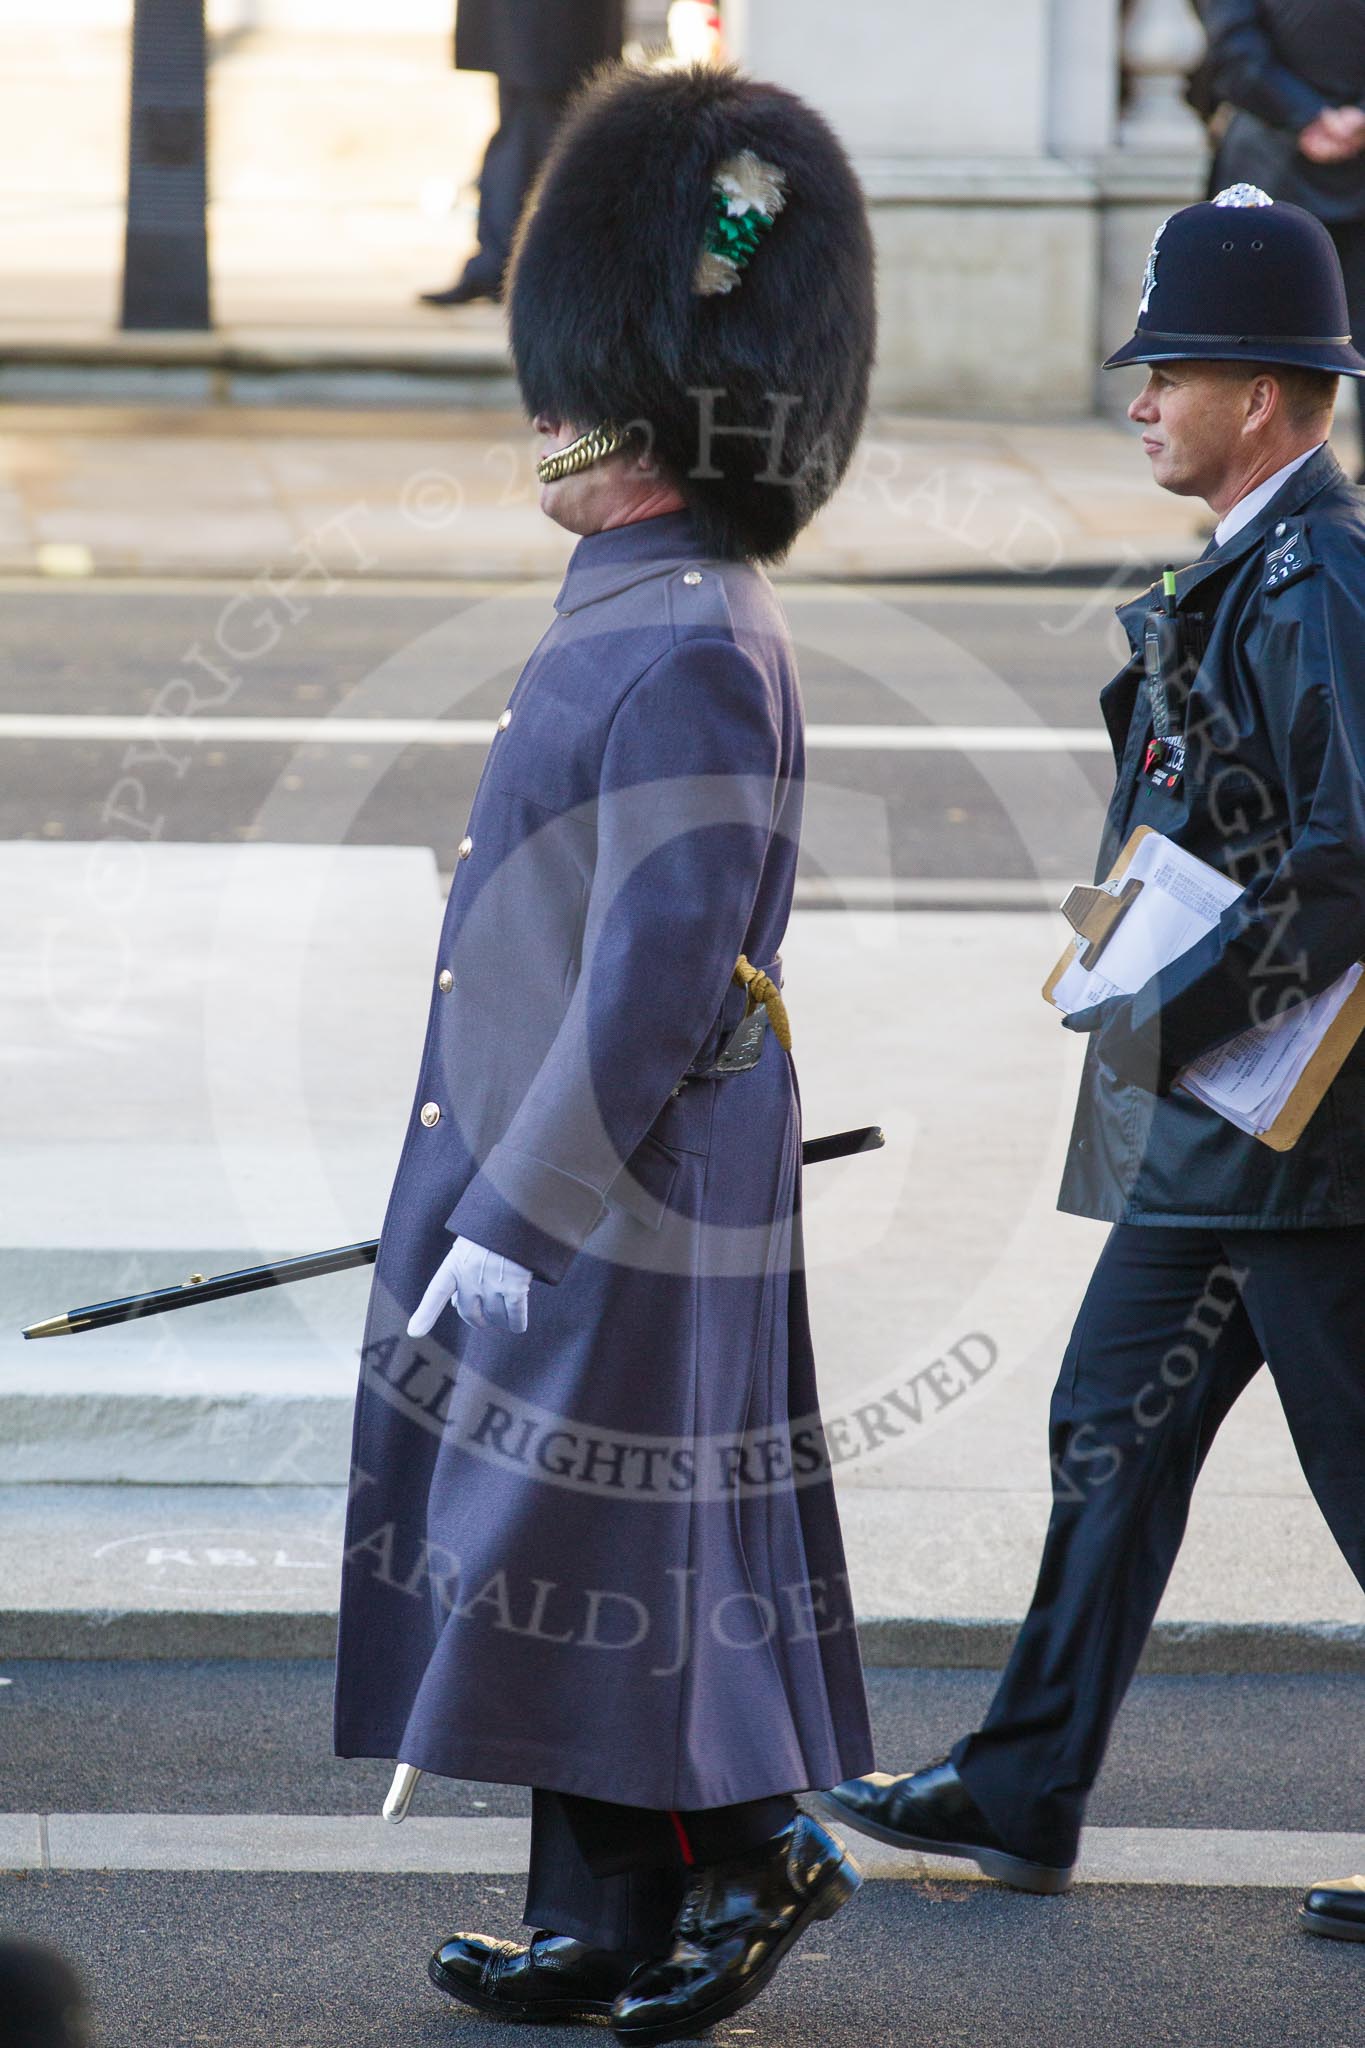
x,y
614,1876
1174,1324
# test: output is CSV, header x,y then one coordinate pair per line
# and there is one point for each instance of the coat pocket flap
x,y
643,1185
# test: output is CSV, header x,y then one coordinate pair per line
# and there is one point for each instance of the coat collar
x,y
604,564
1293,496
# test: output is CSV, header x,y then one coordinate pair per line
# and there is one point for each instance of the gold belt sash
x,y
761,989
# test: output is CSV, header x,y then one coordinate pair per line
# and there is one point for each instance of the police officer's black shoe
x,y
552,1979
736,1922
931,1811
1337,1908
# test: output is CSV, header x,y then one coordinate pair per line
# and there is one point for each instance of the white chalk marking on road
x,y
795,589
961,739
900,892
486,1847
478,732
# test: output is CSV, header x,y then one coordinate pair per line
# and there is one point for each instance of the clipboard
x,y
1094,914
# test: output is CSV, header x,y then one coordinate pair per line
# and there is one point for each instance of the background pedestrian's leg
x,y
527,120
1349,236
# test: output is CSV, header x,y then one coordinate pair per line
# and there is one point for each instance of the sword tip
x,y
55,1326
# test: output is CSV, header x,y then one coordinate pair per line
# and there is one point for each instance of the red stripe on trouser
x,y
681,1832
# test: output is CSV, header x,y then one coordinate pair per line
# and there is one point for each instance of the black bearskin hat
x,y
746,373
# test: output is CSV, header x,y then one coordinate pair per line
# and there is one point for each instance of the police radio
x,y
1172,646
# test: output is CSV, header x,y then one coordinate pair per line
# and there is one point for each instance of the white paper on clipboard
x,y
1250,1078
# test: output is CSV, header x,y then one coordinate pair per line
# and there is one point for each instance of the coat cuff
x,y
529,1211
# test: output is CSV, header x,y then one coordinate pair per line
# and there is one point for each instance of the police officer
x,y
1245,744
592,1546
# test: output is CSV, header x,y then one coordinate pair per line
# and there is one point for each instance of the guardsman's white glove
x,y
488,1290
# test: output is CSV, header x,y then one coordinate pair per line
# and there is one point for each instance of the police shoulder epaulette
x,y
1288,555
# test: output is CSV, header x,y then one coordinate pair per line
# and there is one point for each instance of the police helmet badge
x,y
1243,195
1149,274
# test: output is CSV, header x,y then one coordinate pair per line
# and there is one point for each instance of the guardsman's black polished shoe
x,y
736,1922
932,1812
1335,1907
551,1979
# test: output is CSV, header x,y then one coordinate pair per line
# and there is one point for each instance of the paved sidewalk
x,y
241,492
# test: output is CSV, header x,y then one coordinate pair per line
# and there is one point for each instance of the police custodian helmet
x,y
693,271
1242,279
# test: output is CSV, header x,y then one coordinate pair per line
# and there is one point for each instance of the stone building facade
x,y
1018,155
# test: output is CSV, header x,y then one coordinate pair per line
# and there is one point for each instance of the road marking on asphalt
x,y
904,892
487,1847
478,732
794,590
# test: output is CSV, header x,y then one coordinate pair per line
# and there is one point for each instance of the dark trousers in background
x,y
614,1876
1173,1326
1349,236
527,119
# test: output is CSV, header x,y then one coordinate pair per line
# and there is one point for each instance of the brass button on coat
x,y
445,981
465,847
505,720
430,1113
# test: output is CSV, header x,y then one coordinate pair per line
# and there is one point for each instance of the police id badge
x,y
1164,764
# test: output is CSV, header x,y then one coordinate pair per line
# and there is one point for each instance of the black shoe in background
x,y
932,1813
42,2001
553,1978
1336,1907
464,292
736,1922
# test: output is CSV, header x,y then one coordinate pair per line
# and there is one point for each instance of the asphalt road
x,y
246,1736
876,655
230,1959
247,1960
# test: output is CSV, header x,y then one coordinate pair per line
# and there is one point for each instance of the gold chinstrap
x,y
594,446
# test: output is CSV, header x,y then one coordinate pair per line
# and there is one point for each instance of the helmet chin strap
x,y
594,446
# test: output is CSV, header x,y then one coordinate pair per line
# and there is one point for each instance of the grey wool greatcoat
x,y
603,1557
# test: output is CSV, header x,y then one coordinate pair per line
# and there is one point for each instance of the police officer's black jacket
x,y
1273,794
1280,63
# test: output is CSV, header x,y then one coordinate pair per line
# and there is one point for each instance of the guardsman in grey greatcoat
x,y
592,1546
1238,727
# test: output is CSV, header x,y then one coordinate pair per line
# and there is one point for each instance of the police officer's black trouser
x,y
614,1876
1173,1326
